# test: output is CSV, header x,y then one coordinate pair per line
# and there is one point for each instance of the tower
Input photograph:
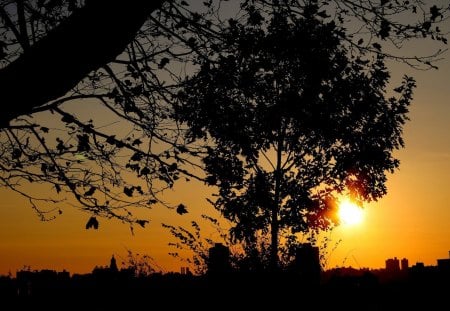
x,y
219,260
113,265
404,264
307,263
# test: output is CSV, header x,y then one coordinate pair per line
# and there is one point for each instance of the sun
x,y
350,213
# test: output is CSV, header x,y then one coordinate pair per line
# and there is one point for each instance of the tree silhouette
x,y
107,166
59,59
64,55
290,119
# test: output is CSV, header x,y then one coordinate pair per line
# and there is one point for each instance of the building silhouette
x,y
307,264
372,288
32,283
113,265
404,264
219,260
392,265
443,265
185,271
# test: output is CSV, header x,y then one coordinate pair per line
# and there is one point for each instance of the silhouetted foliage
x,y
291,118
181,209
92,223
107,163
193,242
63,60
141,265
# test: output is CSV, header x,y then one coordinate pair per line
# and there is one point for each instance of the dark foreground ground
x,y
262,293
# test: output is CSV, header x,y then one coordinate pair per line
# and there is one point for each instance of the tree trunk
x,y
274,239
90,38
275,223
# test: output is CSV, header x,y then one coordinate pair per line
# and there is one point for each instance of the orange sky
x,y
412,220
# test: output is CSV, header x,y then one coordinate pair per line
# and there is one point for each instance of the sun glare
x,y
350,213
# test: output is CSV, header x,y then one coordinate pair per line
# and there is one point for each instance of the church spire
x,y
113,264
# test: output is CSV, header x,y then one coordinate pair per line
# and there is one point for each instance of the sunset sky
x,y
412,221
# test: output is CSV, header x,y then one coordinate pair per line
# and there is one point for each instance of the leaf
x,y
145,171
60,146
90,191
92,223
136,156
191,42
164,61
111,139
83,143
377,46
128,191
136,142
142,222
181,209
435,13
139,190
172,167
385,28
17,153
67,119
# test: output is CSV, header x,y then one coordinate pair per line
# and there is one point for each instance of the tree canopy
x,y
290,118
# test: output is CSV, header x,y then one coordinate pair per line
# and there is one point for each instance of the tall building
x,y
404,264
219,260
444,264
185,271
392,264
307,263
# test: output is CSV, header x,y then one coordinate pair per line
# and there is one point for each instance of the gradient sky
x,y
412,221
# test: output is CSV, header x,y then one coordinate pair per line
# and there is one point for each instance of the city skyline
x,y
394,264
394,286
